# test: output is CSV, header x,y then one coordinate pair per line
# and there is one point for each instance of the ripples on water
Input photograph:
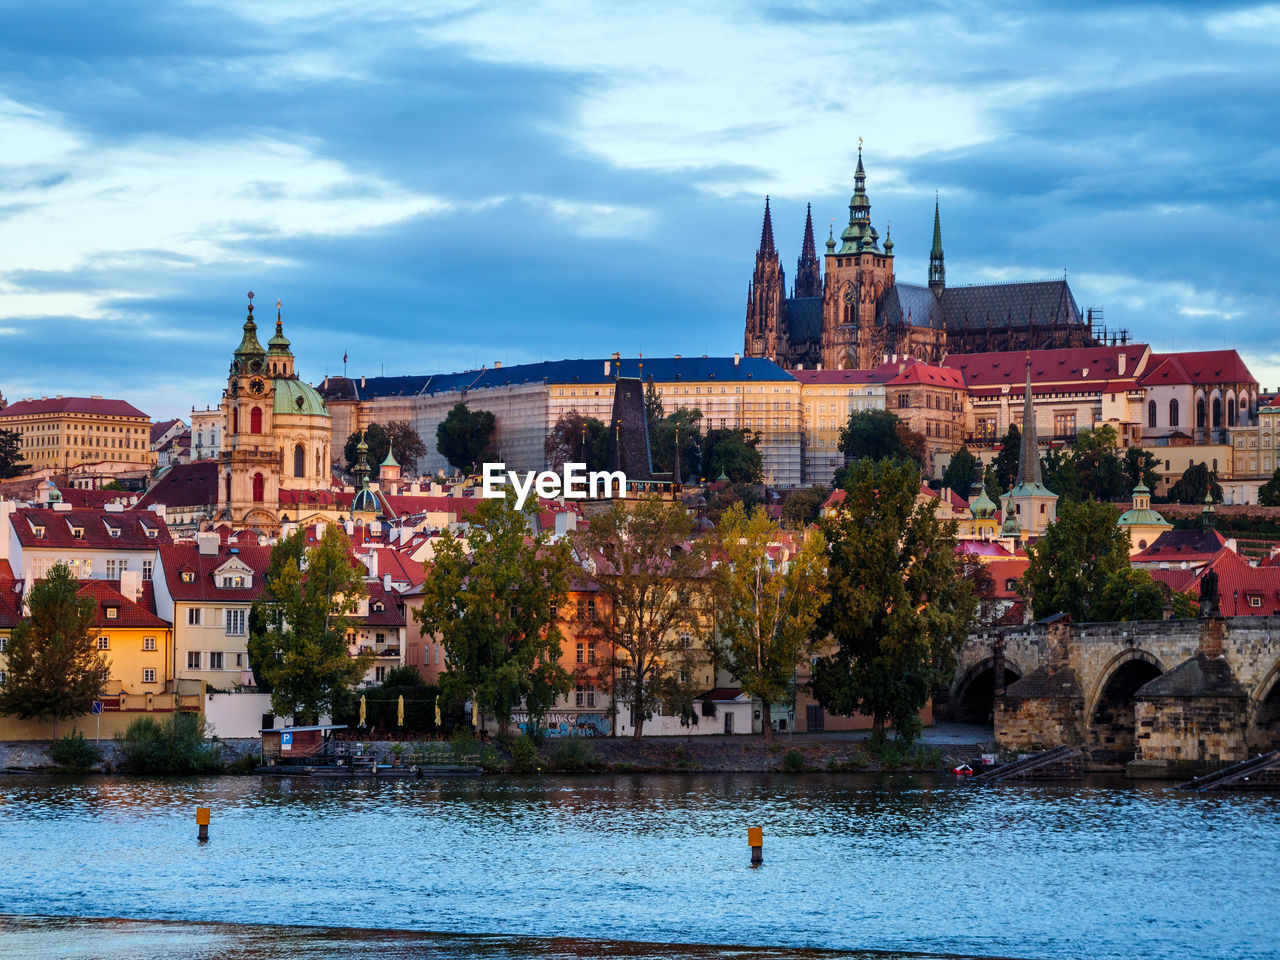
x,y
861,863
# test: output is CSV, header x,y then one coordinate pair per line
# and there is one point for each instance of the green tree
x,y
11,454
684,424
1078,553
801,506
653,409
112,485
577,439
873,435
766,606
395,436
465,436
961,472
1062,475
898,609
1183,606
55,671
733,453
1195,482
306,608
1006,462
1139,467
650,575
1269,492
1099,470
492,600
1130,594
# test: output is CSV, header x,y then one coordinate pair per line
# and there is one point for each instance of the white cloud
x,y
1259,24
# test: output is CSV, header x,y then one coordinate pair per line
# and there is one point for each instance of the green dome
x,y
296,397
982,507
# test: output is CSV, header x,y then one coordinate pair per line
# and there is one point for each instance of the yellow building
x,y
1140,522
59,433
827,399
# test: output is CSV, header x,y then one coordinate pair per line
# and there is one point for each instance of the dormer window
x,y
151,533
188,576
233,583
377,606
113,532
77,533
38,532
113,613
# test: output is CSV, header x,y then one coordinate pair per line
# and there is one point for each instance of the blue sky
x,y
438,186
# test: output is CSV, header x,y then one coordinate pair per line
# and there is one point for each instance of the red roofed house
x,y
1243,589
95,544
63,432
378,625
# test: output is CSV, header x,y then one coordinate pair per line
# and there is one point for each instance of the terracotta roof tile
x,y
91,405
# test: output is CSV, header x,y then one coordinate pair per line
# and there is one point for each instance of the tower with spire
x,y
766,300
1030,504
937,270
808,272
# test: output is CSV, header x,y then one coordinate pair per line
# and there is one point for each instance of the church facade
x,y
851,312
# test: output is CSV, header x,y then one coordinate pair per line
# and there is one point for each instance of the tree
x,y
1076,556
1195,482
464,436
653,409
1006,462
766,608
1139,467
492,600
577,439
732,453
662,444
1269,492
872,434
961,472
11,454
306,608
651,576
1099,471
112,485
396,436
55,671
1130,594
801,506
1062,475
898,608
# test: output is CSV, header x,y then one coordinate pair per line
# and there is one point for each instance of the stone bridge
x,y
1170,695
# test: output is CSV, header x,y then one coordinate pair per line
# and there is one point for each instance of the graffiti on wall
x,y
567,724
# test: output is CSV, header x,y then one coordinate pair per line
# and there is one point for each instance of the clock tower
x,y
249,465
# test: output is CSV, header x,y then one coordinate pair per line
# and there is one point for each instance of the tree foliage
x,y
1269,492
873,435
1005,466
396,436
766,606
1195,482
801,506
684,425
732,453
465,436
577,439
492,600
651,577
55,671
305,612
175,744
1139,466
11,459
1130,594
961,472
1069,565
898,608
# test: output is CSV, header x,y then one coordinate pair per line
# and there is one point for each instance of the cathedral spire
x,y
859,235
249,345
808,274
937,271
766,231
1029,457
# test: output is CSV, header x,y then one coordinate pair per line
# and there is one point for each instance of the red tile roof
x,y
914,371
401,567
185,485
10,599
1002,571
1197,367
835,376
1182,546
177,558
95,524
1238,583
1091,364
92,405
392,612
106,594
158,430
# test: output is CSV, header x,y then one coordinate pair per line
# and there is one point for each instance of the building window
x,y
147,567
193,659
215,660
299,461
235,622
239,659
1151,414
1255,601
1173,413
591,608
233,583
148,675
259,488
591,653
193,616
255,420
113,613
582,652
188,576
104,643
1064,424
379,674
111,570
148,643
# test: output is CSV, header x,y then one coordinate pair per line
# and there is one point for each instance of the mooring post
x,y
202,821
755,837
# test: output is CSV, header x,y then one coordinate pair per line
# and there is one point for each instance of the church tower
x,y
766,311
808,273
857,276
937,271
249,466
1030,506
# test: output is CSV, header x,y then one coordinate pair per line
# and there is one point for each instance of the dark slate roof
x,y
1201,676
1042,683
663,369
804,318
185,485
911,302
1042,302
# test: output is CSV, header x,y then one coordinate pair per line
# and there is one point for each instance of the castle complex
x,y
854,312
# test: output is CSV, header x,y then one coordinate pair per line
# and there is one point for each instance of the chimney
x,y
617,356
386,582
362,382
737,359
131,584
565,522
607,365
321,526
497,364
1120,364
207,544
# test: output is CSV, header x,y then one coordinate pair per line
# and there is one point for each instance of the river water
x,y
904,864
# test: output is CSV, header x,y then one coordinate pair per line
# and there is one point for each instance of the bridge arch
x,y
1110,724
1264,713
972,698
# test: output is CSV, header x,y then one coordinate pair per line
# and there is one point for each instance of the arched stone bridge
x,y
1094,685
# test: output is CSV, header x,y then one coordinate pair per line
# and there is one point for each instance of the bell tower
x,y
249,464
766,300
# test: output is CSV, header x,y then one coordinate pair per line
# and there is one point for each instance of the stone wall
x,y
1190,735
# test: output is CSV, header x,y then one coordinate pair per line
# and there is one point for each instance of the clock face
x,y
849,295
256,386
